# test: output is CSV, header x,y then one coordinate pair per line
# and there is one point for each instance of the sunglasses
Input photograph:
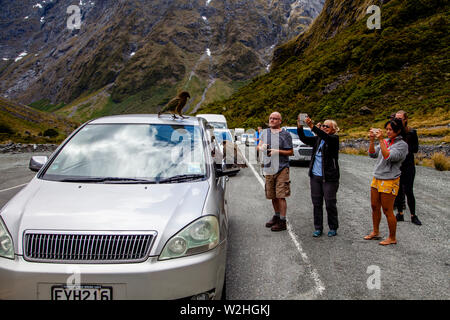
x,y
325,126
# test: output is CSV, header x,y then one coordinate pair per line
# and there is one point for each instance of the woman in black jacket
x,y
323,172
408,169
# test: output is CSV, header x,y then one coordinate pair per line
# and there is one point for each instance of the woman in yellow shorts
x,y
386,181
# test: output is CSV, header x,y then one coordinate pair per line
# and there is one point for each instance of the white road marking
x,y
319,287
21,185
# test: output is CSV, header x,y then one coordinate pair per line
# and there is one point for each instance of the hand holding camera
x,y
301,119
375,134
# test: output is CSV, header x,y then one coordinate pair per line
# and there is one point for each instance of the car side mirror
x,y
228,172
37,162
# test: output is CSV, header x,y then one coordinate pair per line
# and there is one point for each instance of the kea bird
x,y
176,105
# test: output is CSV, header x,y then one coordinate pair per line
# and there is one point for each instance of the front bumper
x,y
301,154
152,279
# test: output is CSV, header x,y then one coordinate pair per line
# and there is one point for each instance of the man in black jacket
x,y
323,172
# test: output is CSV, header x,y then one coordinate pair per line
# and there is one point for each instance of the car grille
x,y
87,248
305,152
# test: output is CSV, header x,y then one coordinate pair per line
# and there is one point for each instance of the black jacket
x,y
413,147
330,152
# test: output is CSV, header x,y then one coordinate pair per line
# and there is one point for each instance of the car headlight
x,y
200,236
6,243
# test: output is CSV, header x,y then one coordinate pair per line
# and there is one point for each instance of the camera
x,y
302,117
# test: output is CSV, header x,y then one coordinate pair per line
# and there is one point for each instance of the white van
x,y
218,121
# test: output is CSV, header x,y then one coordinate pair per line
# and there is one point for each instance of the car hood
x,y
298,142
49,205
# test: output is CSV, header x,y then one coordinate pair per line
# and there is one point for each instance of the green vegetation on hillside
x,y
19,123
405,65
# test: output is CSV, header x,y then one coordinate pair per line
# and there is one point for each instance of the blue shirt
x,y
317,167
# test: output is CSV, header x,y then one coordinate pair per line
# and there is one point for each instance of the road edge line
x,y
319,286
21,185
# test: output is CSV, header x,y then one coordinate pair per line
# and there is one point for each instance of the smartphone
x,y
302,117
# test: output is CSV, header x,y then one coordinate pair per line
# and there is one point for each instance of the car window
x,y
222,135
145,151
218,125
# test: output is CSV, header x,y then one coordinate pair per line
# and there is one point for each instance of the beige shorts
x,y
278,186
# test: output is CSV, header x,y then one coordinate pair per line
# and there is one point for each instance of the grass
x,y
440,161
354,151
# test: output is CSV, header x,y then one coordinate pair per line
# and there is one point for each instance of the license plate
x,y
83,292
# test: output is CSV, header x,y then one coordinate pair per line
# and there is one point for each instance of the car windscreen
x,y
151,152
294,134
218,125
223,135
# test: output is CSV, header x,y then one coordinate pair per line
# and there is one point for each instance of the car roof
x,y
222,130
146,119
212,117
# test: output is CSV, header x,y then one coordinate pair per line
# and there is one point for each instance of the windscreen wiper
x,y
182,178
107,180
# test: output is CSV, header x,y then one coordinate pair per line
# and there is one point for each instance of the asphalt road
x,y
294,265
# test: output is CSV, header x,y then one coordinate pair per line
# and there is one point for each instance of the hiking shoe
x,y
273,221
332,233
317,233
415,220
400,217
279,226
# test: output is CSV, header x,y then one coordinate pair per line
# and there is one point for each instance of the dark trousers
x,y
321,190
406,189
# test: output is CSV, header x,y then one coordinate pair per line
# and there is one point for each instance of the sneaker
x,y
273,221
317,233
279,226
400,217
415,220
332,233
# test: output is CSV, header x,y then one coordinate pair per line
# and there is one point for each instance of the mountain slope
x,y
24,124
148,50
340,69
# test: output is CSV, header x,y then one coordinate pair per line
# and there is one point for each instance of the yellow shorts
x,y
386,186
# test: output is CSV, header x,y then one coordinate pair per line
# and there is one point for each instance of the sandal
x,y
388,242
372,236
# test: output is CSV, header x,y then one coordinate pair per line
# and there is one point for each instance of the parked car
x,y
302,152
128,207
217,121
250,140
238,132
223,135
228,147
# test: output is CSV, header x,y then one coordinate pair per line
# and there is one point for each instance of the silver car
x,y
128,207
302,152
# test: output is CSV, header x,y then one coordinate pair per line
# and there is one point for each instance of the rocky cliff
x,y
341,69
144,51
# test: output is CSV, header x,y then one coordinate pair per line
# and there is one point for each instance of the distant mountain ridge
x,y
144,50
343,70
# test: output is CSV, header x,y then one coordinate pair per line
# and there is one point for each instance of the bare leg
x,y
387,202
375,200
282,205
